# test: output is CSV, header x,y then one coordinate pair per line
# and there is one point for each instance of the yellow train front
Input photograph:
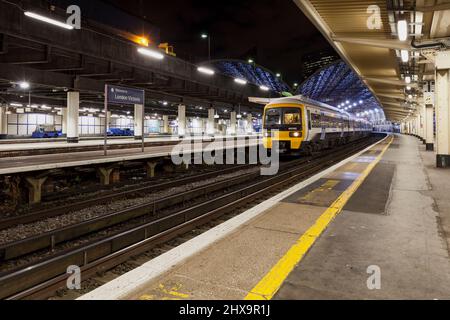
x,y
300,125
284,123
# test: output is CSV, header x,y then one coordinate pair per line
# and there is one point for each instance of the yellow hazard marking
x,y
271,283
166,294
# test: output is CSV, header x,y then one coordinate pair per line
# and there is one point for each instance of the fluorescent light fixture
x,y
361,102
44,107
410,96
408,88
151,53
240,81
278,75
238,116
402,30
347,102
16,105
408,79
165,103
250,61
204,36
24,85
264,88
216,116
405,55
48,20
206,71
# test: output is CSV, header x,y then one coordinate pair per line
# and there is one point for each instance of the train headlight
x,y
295,134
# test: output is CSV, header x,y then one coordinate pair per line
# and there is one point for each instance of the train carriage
x,y
304,125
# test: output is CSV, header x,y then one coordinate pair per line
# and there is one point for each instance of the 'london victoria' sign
x,y
122,95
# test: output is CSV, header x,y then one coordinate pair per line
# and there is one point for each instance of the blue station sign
x,y
123,95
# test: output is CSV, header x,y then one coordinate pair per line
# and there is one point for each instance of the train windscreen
x,y
281,117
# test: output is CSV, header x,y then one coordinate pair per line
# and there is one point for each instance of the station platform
x,y
29,144
22,164
385,209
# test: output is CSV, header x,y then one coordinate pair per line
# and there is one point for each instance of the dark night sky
x,y
274,32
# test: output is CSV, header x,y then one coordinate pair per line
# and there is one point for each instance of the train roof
x,y
303,100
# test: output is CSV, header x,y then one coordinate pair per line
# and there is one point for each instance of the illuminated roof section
x,y
336,84
253,73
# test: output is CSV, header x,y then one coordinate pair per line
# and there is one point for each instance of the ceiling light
x,y
402,30
16,105
206,71
240,81
24,85
405,55
151,53
408,79
48,20
264,88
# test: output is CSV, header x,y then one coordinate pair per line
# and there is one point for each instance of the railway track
x,y
127,193
38,279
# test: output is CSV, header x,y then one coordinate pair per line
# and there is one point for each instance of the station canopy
x,y
251,72
337,84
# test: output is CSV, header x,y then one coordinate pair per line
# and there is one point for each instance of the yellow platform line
x,y
271,283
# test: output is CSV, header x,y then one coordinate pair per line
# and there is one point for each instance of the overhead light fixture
x,y
410,96
347,102
151,53
240,81
408,79
402,30
204,36
16,105
48,20
165,103
24,85
250,61
264,88
408,88
206,71
278,75
405,55
361,102
216,116
238,116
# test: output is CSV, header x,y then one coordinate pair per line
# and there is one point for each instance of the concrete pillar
x,y
73,106
181,120
64,121
443,109
233,123
429,127
105,175
165,125
35,189
150,168
210,126
3,123
422,122
138,129
249,123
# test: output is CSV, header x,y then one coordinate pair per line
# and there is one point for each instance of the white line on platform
x,y
132,281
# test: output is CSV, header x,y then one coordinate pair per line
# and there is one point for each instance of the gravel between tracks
x,y
21,232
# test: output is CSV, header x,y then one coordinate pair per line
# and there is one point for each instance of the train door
x,y
323,124
309,119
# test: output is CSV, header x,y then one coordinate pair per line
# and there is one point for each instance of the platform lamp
x,y
207,36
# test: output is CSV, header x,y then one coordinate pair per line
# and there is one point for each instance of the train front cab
x,y
286,124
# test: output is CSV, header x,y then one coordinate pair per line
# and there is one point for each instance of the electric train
x,y
299,124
